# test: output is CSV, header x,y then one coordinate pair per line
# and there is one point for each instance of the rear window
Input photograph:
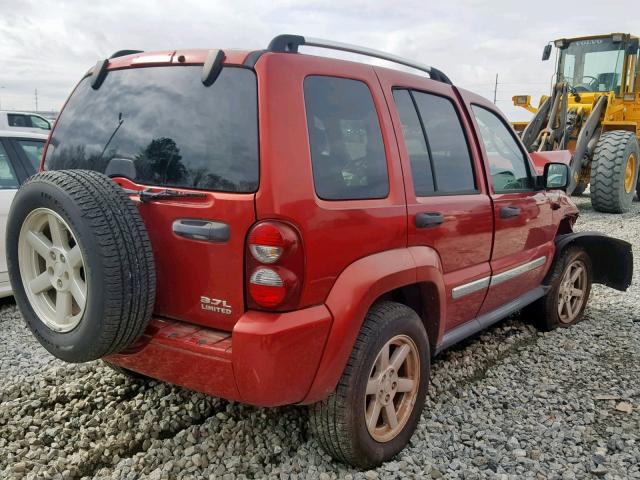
x,y
161,126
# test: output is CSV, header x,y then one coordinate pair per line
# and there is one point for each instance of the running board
x,y
483,321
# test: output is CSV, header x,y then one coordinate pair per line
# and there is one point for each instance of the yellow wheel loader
x,y
593,111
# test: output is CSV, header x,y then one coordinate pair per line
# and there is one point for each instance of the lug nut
x,y
59,283
62,258
387,397
394,385
52,254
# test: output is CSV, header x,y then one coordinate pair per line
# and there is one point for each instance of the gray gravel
x,y
510,403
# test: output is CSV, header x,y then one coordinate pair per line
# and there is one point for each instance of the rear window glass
x,y
162,126
347,151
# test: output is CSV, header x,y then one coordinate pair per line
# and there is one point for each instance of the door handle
x,y
509,211
429,219
202,230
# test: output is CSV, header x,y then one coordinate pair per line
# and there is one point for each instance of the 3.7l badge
x,y
215,305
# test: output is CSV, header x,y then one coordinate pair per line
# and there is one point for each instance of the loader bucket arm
x,y
586,142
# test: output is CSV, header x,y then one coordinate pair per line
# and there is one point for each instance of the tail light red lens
x,y
275,266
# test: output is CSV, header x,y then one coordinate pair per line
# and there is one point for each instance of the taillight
x,y
275,266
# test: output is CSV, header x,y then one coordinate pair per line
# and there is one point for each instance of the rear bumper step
x,y
269,359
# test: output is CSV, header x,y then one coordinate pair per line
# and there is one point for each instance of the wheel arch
x,y
612,258
403,275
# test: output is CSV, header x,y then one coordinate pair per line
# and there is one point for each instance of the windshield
x,y
593,65
162,126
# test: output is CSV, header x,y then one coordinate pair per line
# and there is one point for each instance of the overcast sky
x,y
48,45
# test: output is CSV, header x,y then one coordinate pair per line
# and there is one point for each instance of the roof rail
x,y
290,43
122,53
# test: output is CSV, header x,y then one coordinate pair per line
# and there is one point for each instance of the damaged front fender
x,y
612,258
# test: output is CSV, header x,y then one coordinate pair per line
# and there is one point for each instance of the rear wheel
x,y
614,171
570,286
377,404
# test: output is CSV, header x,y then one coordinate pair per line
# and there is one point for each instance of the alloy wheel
x,y
571,294
392,388
52,270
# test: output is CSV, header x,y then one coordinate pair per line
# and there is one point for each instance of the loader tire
x,y
81,264
614,171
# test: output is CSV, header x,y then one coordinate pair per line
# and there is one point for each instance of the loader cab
x,y
599,64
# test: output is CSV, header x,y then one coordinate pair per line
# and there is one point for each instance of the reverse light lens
x,y
266,276
265,253
267,287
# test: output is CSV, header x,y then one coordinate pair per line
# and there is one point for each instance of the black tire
x,y
338,422
118,262
544,312
610,158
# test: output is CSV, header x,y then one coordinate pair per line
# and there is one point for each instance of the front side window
x,y
33,151
347,151
8,180
162,126
507,162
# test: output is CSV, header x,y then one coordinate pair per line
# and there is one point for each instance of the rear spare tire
x,y
81,264
614,171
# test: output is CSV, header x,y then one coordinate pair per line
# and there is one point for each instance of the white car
x,y
24,122
20,154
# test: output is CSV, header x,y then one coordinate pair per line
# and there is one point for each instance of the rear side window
x,y
17,120
507,162
347,151
161,126
33,150
447,144
8,178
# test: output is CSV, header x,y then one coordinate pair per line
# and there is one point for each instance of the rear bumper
x,y
269,359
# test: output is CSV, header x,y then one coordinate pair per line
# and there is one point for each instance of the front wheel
x,y
570,286
376,406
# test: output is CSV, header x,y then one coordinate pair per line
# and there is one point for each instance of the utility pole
x,y
37,100
495,91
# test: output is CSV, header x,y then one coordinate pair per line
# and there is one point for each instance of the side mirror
x,y
546,53
632,46
556,176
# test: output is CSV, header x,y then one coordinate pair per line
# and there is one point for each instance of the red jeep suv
x,y
278,228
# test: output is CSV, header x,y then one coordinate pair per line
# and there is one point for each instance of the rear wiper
x,y
149,196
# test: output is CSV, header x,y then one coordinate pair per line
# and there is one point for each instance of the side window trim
x,y
465,135
525,155
426,141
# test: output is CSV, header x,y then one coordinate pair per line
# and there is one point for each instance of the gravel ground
x,y
510,403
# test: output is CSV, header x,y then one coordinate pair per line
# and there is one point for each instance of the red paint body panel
x,y
268,360
353,294
468,218
328,228
188,269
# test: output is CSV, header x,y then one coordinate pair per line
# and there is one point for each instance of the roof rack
x,y
290,43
